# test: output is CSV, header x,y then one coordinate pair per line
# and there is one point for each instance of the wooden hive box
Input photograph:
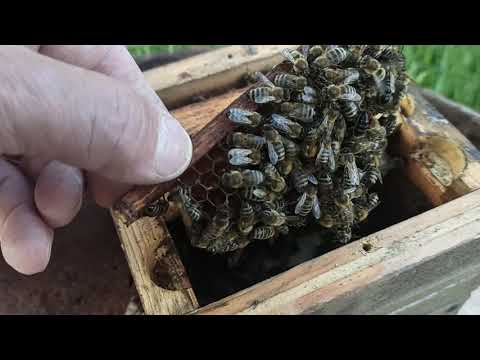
x,y
419,254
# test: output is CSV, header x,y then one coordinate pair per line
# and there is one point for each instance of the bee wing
x,y
239,157
259,193
316,208
240,116
265,99
262,78
331,161
355,97
319,155
313,179
305,49
272,154
300,203
287,55
392,82
352,77
281,122
352,170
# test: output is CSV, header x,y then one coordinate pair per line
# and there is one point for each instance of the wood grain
x,y
440,160
158,273
211,73
310,286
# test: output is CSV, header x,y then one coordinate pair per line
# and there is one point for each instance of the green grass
x,y
451,70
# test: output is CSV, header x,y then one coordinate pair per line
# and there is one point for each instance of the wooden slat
x,y
215,71
440,160
200,120
151,255
314,286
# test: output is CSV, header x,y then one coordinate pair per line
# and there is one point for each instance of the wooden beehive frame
x,y
326,284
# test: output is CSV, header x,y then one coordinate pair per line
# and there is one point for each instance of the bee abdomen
x,y
262,233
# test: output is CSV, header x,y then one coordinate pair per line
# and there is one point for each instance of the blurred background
x,y
450,70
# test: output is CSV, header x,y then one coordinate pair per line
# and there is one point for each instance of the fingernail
x,y
174,149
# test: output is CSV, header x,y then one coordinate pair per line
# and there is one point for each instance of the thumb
x,y
58,111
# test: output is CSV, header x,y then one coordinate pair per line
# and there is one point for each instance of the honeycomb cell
x,y
199,192
189,177
219,167
217,198
210,180
217,154
203,166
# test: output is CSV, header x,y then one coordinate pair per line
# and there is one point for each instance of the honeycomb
x,y
201,183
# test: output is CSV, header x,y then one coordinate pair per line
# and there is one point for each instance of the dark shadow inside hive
x,y
213,277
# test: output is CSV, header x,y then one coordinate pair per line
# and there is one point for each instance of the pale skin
x,y
73,115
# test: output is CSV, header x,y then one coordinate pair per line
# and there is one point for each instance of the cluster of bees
x,y
311,153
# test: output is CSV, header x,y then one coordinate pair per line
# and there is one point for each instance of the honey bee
x,y
156,208
371,176
285,167
300,179
283,230
344,212
244,157
230,241
290,81
349,109
276,150
390,123
309,96
351,177
276,204
386,95
272,217
343,233
255,193
192,208
363,123
374,68
298,111
287,126
363,210
393,57
330,116
298,60
243,140
374,50
296,221
339,131
291,149
377,133
343,92
310,142
244,117
308,202
216,228
332,56
356,52
237,179
246,219
326,220
262,233
316,50
325,158
341,76
274,180
325,183
268,93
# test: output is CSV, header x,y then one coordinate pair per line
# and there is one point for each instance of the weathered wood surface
x,y
158,273
212,72
351,280
463,118
206,123
440,160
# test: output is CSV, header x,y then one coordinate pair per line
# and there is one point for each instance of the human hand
x,y
70,114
